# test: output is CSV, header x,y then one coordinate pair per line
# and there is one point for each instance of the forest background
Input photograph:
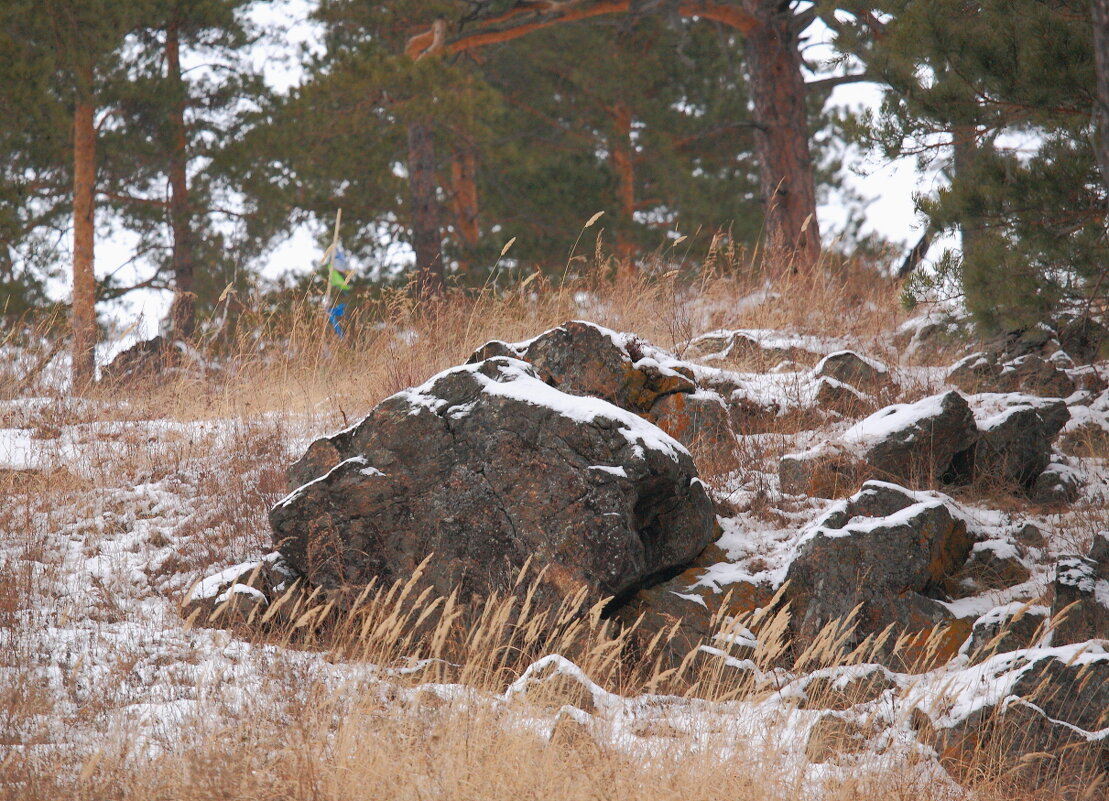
x,y
467,142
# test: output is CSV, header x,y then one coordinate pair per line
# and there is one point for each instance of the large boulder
x,y
687,401
1042,714
484,468
1016,434
918,444
880,550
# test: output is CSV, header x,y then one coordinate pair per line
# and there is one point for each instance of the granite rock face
x,y
1080,606
484,467
917,444
884,551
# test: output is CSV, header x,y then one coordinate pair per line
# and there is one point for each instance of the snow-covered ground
x,y
110,516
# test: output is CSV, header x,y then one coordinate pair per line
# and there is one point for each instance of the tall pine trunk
x,y
426,234
622,155
1101,108
464,200
183,314
964,144
83,317
782,133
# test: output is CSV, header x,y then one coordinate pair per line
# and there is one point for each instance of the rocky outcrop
x,y
692,404
918,444
881,551
486,467
1031,373
1016,434
1080,605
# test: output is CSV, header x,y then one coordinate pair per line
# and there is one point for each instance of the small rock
x,y
848,367
1012,627
841,688
1080,606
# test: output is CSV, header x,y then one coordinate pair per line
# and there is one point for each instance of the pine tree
x,y
1009,89
169,158
773,31
59,60
647,122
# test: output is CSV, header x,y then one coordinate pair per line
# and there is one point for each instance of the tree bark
x,y
183,313
622,155
1101,61
83,318
426,235
964,143
782,133
464,196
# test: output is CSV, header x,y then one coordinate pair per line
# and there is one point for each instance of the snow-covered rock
x,y
487,467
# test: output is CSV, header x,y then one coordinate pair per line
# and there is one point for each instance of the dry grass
x,y
315,721
291,362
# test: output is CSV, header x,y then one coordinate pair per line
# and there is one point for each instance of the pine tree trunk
x,y
622,154
782,134
464,197
426,236
964,143
183,313
1101,108
83,317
